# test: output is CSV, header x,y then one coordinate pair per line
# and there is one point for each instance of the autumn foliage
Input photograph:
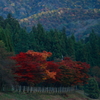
x,y
73,72
32,67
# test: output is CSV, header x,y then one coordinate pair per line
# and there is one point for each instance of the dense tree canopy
x,y
33,67
19,41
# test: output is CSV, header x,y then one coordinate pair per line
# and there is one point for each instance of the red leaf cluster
x,y
33,67
73,72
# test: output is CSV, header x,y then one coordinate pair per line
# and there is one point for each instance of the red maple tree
x,y
29,68
73,72
34,68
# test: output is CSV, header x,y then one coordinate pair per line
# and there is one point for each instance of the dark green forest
x,y
15,39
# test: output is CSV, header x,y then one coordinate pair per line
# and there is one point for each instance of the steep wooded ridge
x,y
24,8
78,16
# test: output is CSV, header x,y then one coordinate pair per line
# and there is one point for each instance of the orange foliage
x,y
51,74
44,54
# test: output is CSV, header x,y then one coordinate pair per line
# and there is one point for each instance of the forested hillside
x,y
50,43
78,16
74,19
24,56
17,39
25,8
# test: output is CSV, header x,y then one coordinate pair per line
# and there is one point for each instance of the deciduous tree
x,y
73,72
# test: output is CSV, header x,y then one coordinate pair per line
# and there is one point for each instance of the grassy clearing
x,y
38,96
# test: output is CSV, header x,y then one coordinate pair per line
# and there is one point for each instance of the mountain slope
x,y
76,15
25,8
75,20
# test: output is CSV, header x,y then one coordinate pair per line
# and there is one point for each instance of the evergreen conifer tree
x,y
71,48
92,89
6,74
93,41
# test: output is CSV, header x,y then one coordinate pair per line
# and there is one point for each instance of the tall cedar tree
x,y
6,73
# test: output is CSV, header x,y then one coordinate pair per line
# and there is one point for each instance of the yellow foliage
x,y
12,4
